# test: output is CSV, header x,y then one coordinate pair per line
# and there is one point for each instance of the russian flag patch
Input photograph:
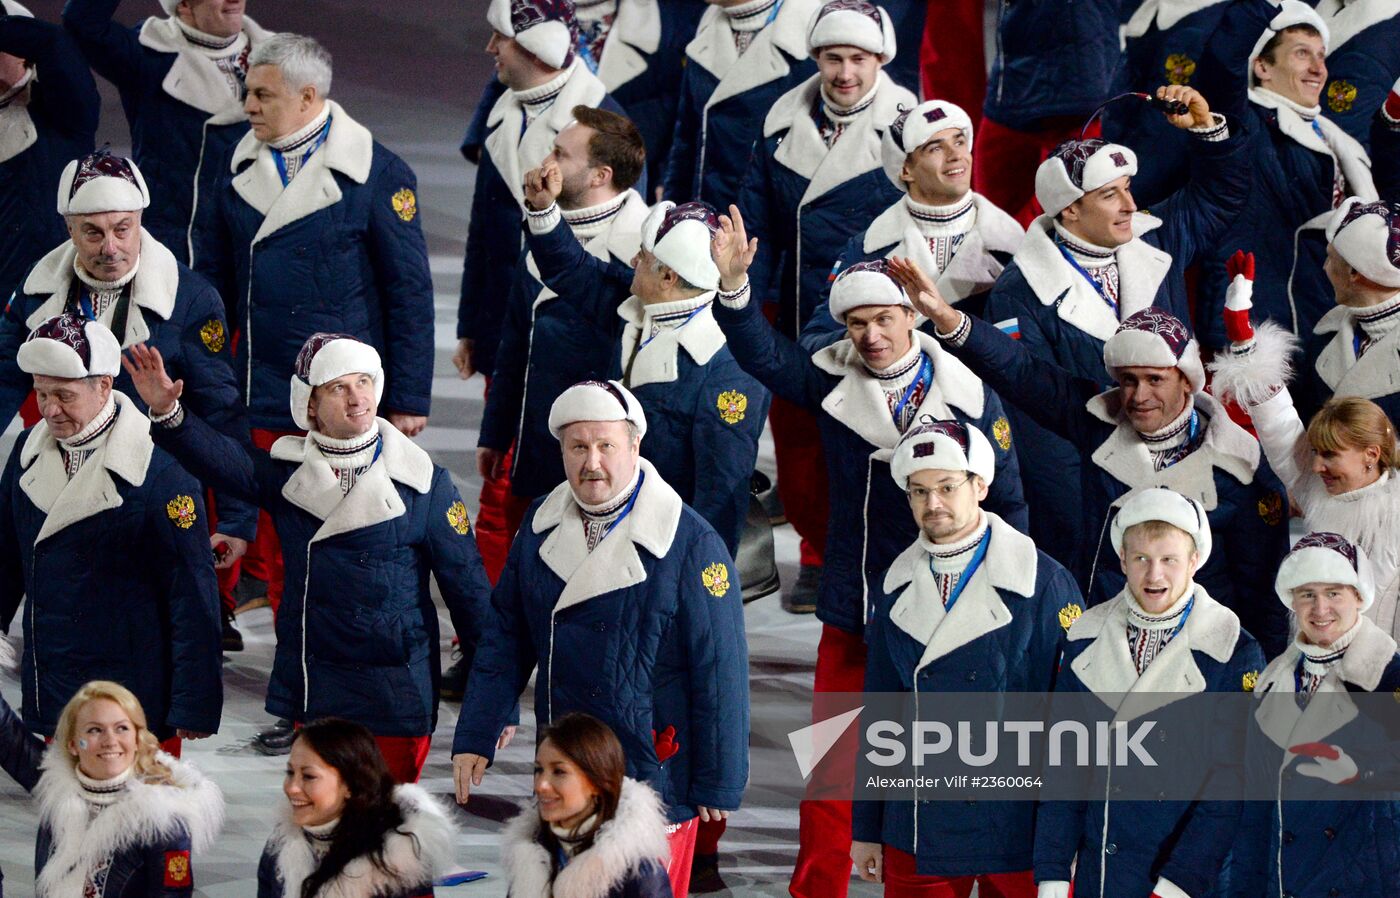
x,y
1011,327
830,278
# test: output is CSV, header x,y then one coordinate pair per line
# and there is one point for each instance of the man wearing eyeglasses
x,y
971,605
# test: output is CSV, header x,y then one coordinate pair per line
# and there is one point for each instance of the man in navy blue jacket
x,y
93,511
866,392
181,80
45,122
1161,639
1158,427
970,606
534,43
366,516
629,606
111,270
1091,261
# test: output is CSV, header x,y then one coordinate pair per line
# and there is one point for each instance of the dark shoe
x,y
704,874
767,493
276,739
454,679
233,640
249,593
802,598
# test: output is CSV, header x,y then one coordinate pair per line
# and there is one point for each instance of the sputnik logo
x,y
811,744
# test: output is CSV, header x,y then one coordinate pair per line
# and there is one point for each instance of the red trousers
x,y
264,558
953,66
801,475
1004,161
901,881
681,840
498,517
823,868
405,755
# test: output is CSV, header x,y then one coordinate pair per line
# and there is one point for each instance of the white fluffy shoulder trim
x,y
1253,377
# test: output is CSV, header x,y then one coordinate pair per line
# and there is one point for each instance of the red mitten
x,y
665,744
1238,302
1392,104
1330,762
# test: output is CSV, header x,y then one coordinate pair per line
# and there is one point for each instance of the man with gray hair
x,y
181,83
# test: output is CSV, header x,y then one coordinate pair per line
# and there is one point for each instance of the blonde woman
x,y
118,818
1340,472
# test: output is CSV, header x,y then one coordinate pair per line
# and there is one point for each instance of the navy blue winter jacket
x,y
870,523
129,529
340,249
1054,58
1004,634
646,633
183,117
357,632
55,126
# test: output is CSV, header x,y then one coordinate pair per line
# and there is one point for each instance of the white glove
x,y
1053,888
1165,888
1329,762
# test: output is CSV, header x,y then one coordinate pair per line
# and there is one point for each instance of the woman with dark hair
x,y
348,831
594,832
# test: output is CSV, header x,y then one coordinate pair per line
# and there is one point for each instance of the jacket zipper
x,y
194,204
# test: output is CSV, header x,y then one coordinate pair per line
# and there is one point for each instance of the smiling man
x,y
181,80
625,605
1158,427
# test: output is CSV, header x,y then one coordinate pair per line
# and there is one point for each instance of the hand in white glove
x,y
1329,762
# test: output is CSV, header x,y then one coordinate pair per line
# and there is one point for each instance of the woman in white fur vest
x,y
1340,472
347,830
118,818
593,833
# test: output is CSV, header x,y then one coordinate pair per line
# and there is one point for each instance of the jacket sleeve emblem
x,y
177,870
1271,508
405,204
732,405
212,333
716,579
1180,68
1069,614
1001,430
1249,680
1340,96
457,517
181,512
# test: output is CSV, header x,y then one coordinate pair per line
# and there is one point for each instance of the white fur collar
x,y
17,130
657,362
635,35
514,153
614,564
621,239
1126,457
973,269
1141,270
637,833
858,402
126,453
766,59
1278,715
195,79
349,149
1010,564
315,488
1345,22
1164,14
152,289
419,849
857,151
145,815
1341,146
1375,374
1106,667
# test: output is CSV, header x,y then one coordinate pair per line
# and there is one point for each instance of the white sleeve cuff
x,y
1218,130
544,221
171,419
739,299
1055,888
1165,888
958,335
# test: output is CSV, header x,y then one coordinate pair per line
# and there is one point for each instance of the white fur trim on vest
x,y
973,268
1164,14
194,78
1251,378
153,287
145,814
637,833
769,58
635,35
414,853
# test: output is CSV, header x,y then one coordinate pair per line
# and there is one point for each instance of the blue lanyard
x,y
774,14
626,511
971,569
925,372
1088,277
1192,428
282,163
1184,615
677,327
